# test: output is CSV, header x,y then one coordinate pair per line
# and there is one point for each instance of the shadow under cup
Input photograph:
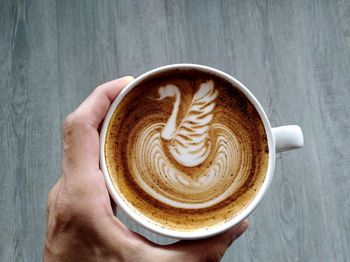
x,y
153,176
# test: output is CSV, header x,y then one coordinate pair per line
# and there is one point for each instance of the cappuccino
x,y
187,149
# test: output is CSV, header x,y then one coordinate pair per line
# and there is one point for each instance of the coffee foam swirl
x,y
190,141
160,178
186,149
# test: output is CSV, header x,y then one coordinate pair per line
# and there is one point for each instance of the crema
x,y
187,149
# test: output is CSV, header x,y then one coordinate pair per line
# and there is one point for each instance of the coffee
x,y
187,149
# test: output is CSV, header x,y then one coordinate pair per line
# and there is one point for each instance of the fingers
x,y
211,249
80,135
94,108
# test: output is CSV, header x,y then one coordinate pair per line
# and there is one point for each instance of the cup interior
x,y
141,219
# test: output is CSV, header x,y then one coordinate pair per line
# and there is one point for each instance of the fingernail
x,y
127,79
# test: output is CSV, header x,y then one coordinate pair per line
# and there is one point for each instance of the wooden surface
x,y
293,55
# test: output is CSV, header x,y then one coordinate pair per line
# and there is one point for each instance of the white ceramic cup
x,y
279,139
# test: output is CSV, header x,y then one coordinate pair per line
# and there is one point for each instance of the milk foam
x,y
161,179
189,144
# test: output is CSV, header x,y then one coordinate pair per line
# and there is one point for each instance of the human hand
x,y
81,225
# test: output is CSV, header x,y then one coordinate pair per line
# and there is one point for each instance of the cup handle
x,y
288,137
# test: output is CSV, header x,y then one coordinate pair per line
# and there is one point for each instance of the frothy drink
x,y
187,149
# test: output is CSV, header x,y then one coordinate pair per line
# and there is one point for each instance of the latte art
x,y
186,149
161,179
190,145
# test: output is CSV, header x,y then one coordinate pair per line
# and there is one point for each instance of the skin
x,y
81,225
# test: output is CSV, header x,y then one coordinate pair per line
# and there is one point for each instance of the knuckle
x,y
61,203
68,126
62,209
99,89
74,122
60,213
68,121
64,213
51,196
73,125
48,208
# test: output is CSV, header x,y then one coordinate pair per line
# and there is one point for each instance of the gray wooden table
x,y
293,55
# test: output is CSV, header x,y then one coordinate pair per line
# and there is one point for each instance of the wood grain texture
x,y
293,55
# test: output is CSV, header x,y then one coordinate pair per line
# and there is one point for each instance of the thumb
x,y
210,249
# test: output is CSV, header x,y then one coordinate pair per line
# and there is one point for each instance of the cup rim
x,y
144,221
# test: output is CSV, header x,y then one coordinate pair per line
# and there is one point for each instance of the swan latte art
x,y
186,149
